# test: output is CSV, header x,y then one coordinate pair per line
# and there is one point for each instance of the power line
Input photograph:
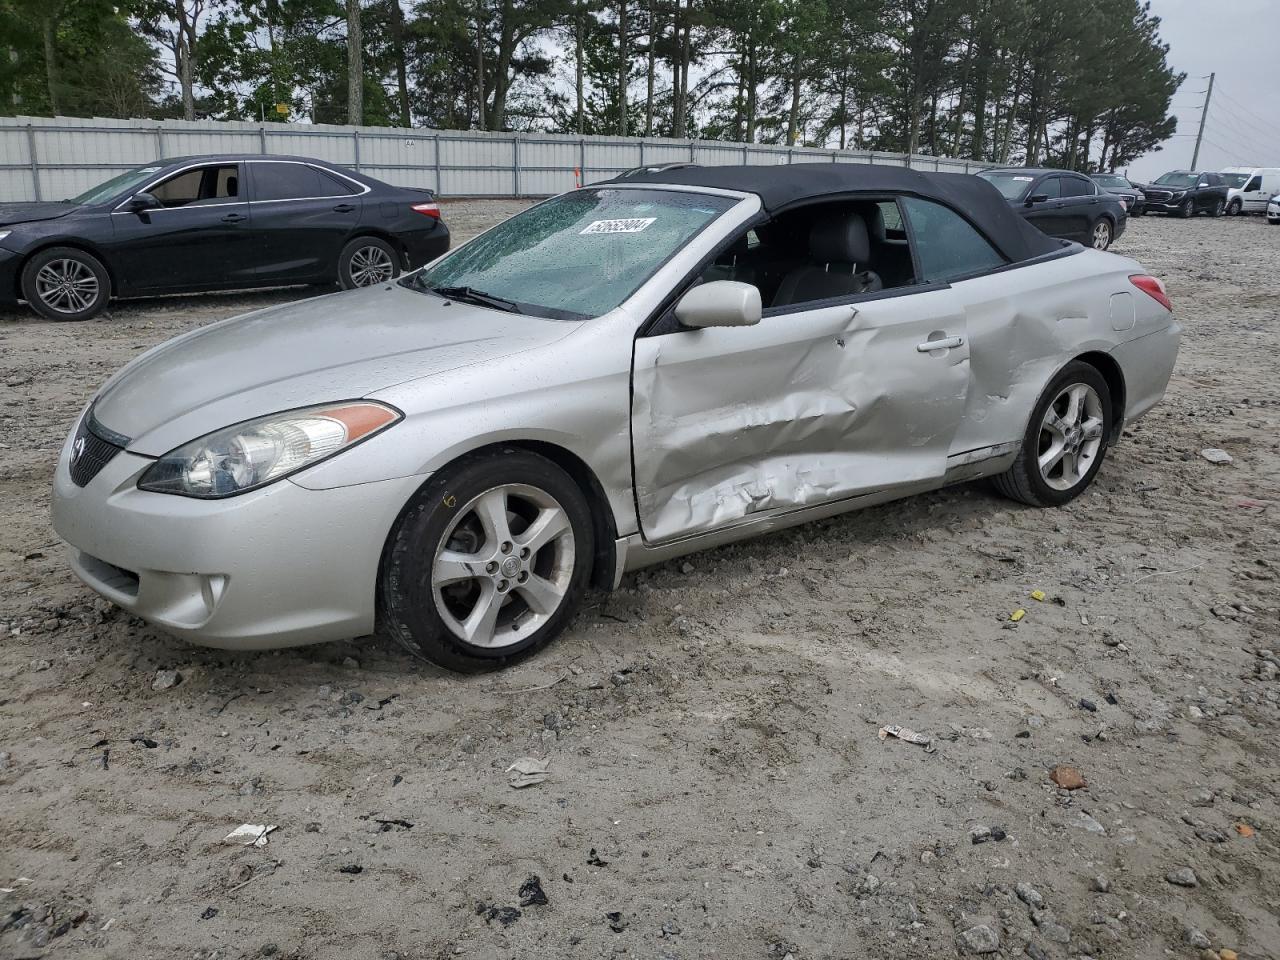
x,y
1230,154
1248,110
1246,143
1244,131
1253,138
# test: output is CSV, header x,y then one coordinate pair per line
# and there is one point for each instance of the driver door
x,y
1047,215
197,239
819,401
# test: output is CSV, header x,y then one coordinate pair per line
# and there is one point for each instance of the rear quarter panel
x,y
1025,324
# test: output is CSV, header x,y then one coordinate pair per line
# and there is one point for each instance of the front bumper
x,y
276,567
1166,206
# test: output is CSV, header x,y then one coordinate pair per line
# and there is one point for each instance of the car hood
x,y
11,213
338,347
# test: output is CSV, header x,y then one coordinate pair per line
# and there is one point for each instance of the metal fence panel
x,y
45,158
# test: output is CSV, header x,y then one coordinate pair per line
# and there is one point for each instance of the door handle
x,y
343,208
946,343
234,218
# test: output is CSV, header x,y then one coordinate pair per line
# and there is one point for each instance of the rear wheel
x,y
489,562
1102,234
1065,442
1217,209
66,283
366,261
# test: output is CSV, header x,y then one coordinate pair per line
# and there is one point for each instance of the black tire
x,y
85,276
1185,210
1101,238
409,602
1234,208
1217,209
1023,480
366,262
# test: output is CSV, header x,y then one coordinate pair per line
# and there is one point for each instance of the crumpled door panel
x,y
804,408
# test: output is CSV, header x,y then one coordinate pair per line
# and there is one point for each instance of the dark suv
x,y
1185,193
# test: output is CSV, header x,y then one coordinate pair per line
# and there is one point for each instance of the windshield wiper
x,y
471,295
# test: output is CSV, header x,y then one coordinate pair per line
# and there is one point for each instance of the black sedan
x,y
223,222
1062,204
1124,188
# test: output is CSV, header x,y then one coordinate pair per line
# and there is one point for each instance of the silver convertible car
x,y
620,375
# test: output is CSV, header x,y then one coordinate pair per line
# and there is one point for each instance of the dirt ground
x,y
717,786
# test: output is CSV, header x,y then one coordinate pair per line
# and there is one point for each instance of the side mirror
x,y
1202,184
720,303
1037,198
142,201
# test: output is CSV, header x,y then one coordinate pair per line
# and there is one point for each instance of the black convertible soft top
x,y
782,185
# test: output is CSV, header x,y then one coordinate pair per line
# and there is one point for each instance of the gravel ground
x,y
717,786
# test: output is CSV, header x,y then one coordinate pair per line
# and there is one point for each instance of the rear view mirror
x,y
720,303
142,201
1037,198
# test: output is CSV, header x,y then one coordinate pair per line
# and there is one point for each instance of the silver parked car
x,y
620,375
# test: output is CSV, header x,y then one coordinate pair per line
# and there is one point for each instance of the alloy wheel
x,y
1101,235
1218,208
369,265
504,565
1070,436
67,286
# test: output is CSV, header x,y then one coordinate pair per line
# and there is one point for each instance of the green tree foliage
x,y
76,58
1077,83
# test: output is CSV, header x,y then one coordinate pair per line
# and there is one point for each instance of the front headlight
x,y
1176,194
257,452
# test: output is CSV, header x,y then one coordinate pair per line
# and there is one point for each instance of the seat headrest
x,y
233,186
841,239
877,224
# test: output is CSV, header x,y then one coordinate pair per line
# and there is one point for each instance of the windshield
x,y
1235,180
576,256
116,185
1111,180
1011,185
1177,180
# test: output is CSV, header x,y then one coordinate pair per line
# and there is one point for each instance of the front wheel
x,y
1185,211
1233,209
1102,234
488,563
1065,442
366,261
66,283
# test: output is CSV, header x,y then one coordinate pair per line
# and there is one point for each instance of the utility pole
x,y
1204,112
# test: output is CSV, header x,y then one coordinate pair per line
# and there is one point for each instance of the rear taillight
x,y
431,209
1153,288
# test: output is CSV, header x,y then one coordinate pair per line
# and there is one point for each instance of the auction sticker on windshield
x,y
632,225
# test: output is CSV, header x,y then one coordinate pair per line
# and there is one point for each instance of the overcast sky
x,y
1238,40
